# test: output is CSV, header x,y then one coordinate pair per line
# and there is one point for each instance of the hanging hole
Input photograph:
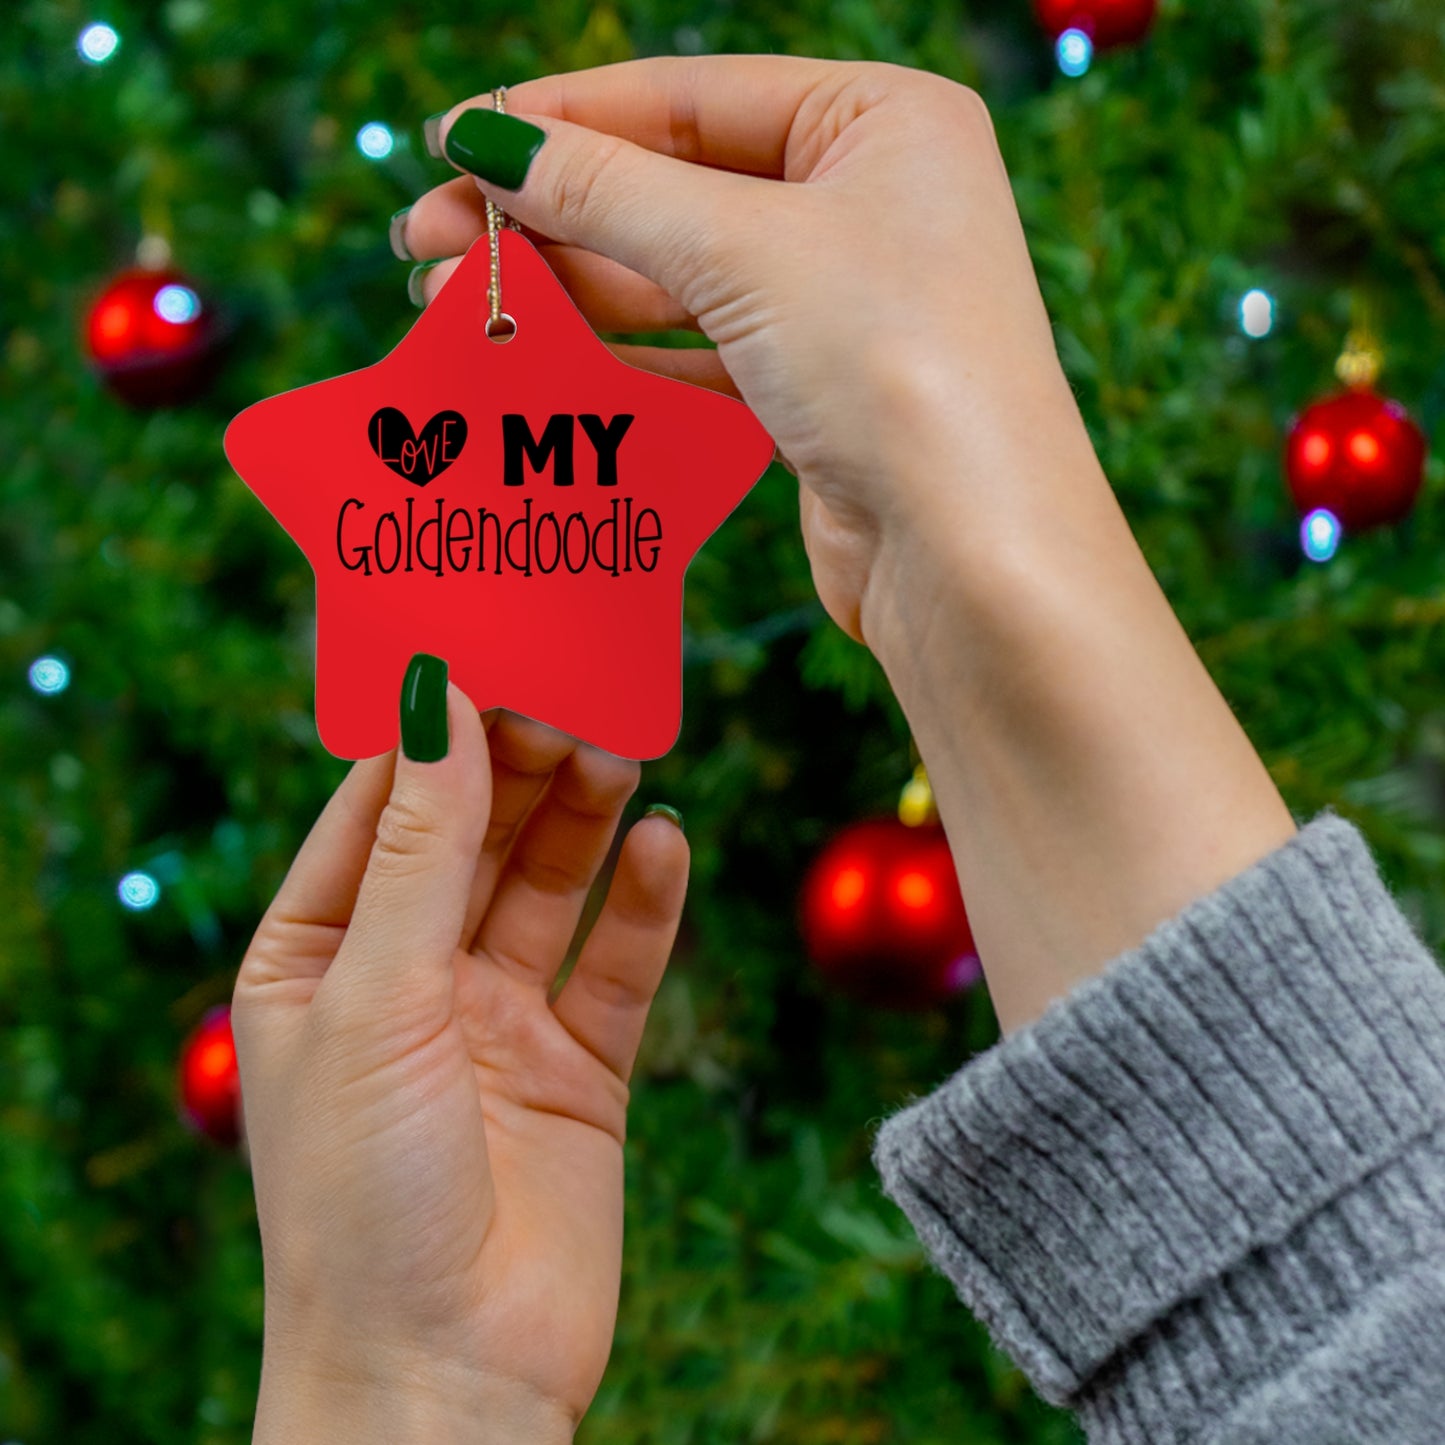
x,y
501,329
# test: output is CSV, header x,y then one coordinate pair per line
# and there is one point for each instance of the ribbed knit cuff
x,y
1208,1151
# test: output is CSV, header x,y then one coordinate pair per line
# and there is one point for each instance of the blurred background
x,y
1237,210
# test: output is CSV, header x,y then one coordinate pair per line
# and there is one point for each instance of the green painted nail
x,y
415,294
396,234
424,735
498,148
431,133
671,814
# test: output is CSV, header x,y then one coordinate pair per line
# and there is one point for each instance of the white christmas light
x,y
97,43
375,140
49,675
1320,535
138,891
177,304
1075,52
1256,313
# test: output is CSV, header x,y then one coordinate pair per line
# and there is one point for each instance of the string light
x,y
1320,535
138,891
177,304
375,140
1256,313
97,43
966,969
1075,52
49,675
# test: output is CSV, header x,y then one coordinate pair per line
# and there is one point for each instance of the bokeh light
x,y
1256,313
97,43
177,304
849,886
914,889
1075,52
1364,448
138,891
375,140
49,675
1320,535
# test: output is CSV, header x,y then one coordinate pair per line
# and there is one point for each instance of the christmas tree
x,y
1212,211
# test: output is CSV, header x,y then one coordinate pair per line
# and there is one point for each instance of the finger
x,y
609,296
524,754
605,1000
424,284
700,365
407,922
299,933
735,112
543,887
445,221
653,214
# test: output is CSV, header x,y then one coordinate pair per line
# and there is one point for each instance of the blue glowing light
x,y
1075,52
1256,313
375,141
1319,535
138,891
177,304
49,675
97,43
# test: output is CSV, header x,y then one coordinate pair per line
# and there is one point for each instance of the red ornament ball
x,y
1106,22
210,1082
883,919
1359,456
152,338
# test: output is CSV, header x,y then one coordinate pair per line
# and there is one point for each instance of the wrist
x,y
986,516
394,1400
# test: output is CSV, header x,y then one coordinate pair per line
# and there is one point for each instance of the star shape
x,y
412,462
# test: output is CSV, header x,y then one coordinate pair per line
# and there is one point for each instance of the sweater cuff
x,y
1209,1095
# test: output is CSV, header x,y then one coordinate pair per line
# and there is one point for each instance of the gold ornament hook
x,y
1360,363
915,804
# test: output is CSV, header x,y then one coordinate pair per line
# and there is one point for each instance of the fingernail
x,y
424,737
413,282
431,133
498,148
396,234
671,814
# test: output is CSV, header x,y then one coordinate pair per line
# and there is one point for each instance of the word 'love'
x,y
417,458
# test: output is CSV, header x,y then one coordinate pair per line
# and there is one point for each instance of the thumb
x,y
412,901
666,219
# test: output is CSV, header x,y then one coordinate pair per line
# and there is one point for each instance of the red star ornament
x,y
525,511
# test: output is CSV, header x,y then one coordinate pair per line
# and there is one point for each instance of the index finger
x,y
734,112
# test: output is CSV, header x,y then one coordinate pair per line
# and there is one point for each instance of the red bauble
x,y
1359,456
210,1083
1106,22
152,338
883,918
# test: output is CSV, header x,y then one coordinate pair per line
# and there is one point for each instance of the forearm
x,y
1090,776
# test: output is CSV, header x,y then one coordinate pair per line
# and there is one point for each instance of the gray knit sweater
x,y
1202,1199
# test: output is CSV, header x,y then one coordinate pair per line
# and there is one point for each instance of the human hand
x,y
437,1149
879,312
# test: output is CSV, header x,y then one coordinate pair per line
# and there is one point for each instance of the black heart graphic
x,y
417,458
